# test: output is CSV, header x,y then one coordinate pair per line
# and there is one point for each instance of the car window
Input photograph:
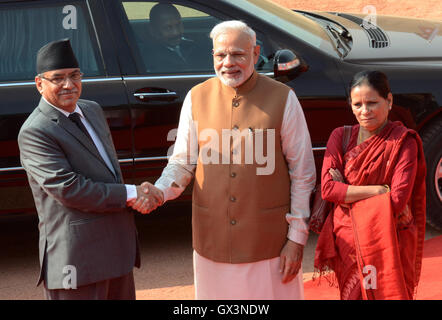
x,y
287,21
176,43
27,27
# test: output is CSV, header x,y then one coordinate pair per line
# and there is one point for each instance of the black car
x,y
142,98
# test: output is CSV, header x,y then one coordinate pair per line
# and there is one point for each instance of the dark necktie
x,y
75,118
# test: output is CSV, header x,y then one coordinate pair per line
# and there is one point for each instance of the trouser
x,y
260,280
121,288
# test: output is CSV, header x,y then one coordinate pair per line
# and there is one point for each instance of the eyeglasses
x,y
58,81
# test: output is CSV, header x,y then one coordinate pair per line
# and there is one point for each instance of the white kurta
x,y
262,279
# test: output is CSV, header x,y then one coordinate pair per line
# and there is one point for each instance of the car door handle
x,y
147,95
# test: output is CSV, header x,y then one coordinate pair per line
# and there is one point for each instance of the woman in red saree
x,y
373,238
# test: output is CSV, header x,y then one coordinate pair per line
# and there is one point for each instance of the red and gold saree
x,y
374,249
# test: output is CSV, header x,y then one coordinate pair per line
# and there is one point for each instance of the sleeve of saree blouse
x,y
404,175
333,191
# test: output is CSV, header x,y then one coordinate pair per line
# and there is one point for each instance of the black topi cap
x,y
56,55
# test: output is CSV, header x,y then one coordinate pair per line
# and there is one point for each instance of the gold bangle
x,y
387,187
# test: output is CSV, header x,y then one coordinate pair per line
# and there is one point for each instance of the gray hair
x,y
233,25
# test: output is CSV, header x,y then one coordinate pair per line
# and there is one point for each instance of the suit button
x,y
233,174
233,199
233,222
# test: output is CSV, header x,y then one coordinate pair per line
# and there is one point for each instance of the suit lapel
x,y
73,130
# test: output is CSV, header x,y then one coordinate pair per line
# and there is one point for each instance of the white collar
x,y
77,109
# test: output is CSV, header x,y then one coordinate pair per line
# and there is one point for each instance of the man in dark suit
x,y
166,49
88,239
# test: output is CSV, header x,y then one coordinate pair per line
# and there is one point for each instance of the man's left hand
x,y
290,260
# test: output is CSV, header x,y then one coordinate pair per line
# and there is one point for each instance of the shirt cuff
x,y
298,231
131,191
169,192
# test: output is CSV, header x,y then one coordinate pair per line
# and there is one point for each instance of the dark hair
x,y
375,79
160,9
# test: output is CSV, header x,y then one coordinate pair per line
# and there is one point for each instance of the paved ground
x,y
166,252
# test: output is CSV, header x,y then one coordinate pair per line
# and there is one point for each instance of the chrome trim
x,y
11,169
28,83
103,79
122,161
167,157
129,160
130,78
125,160
151,159
156,94
184,76
17,84
97,38
188,76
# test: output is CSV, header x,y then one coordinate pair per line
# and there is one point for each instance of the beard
x,y
238,79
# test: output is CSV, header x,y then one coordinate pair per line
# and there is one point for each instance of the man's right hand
x,y
148,199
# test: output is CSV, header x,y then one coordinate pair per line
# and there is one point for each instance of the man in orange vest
x,y
244,138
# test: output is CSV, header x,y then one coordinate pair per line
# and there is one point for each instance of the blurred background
x,y
427,9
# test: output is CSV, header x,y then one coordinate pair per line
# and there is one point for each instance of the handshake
x,y
148,198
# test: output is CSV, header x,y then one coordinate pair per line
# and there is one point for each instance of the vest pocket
x,y
275,210
199,208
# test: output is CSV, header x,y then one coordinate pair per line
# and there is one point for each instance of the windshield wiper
x,y
340,40
339,35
